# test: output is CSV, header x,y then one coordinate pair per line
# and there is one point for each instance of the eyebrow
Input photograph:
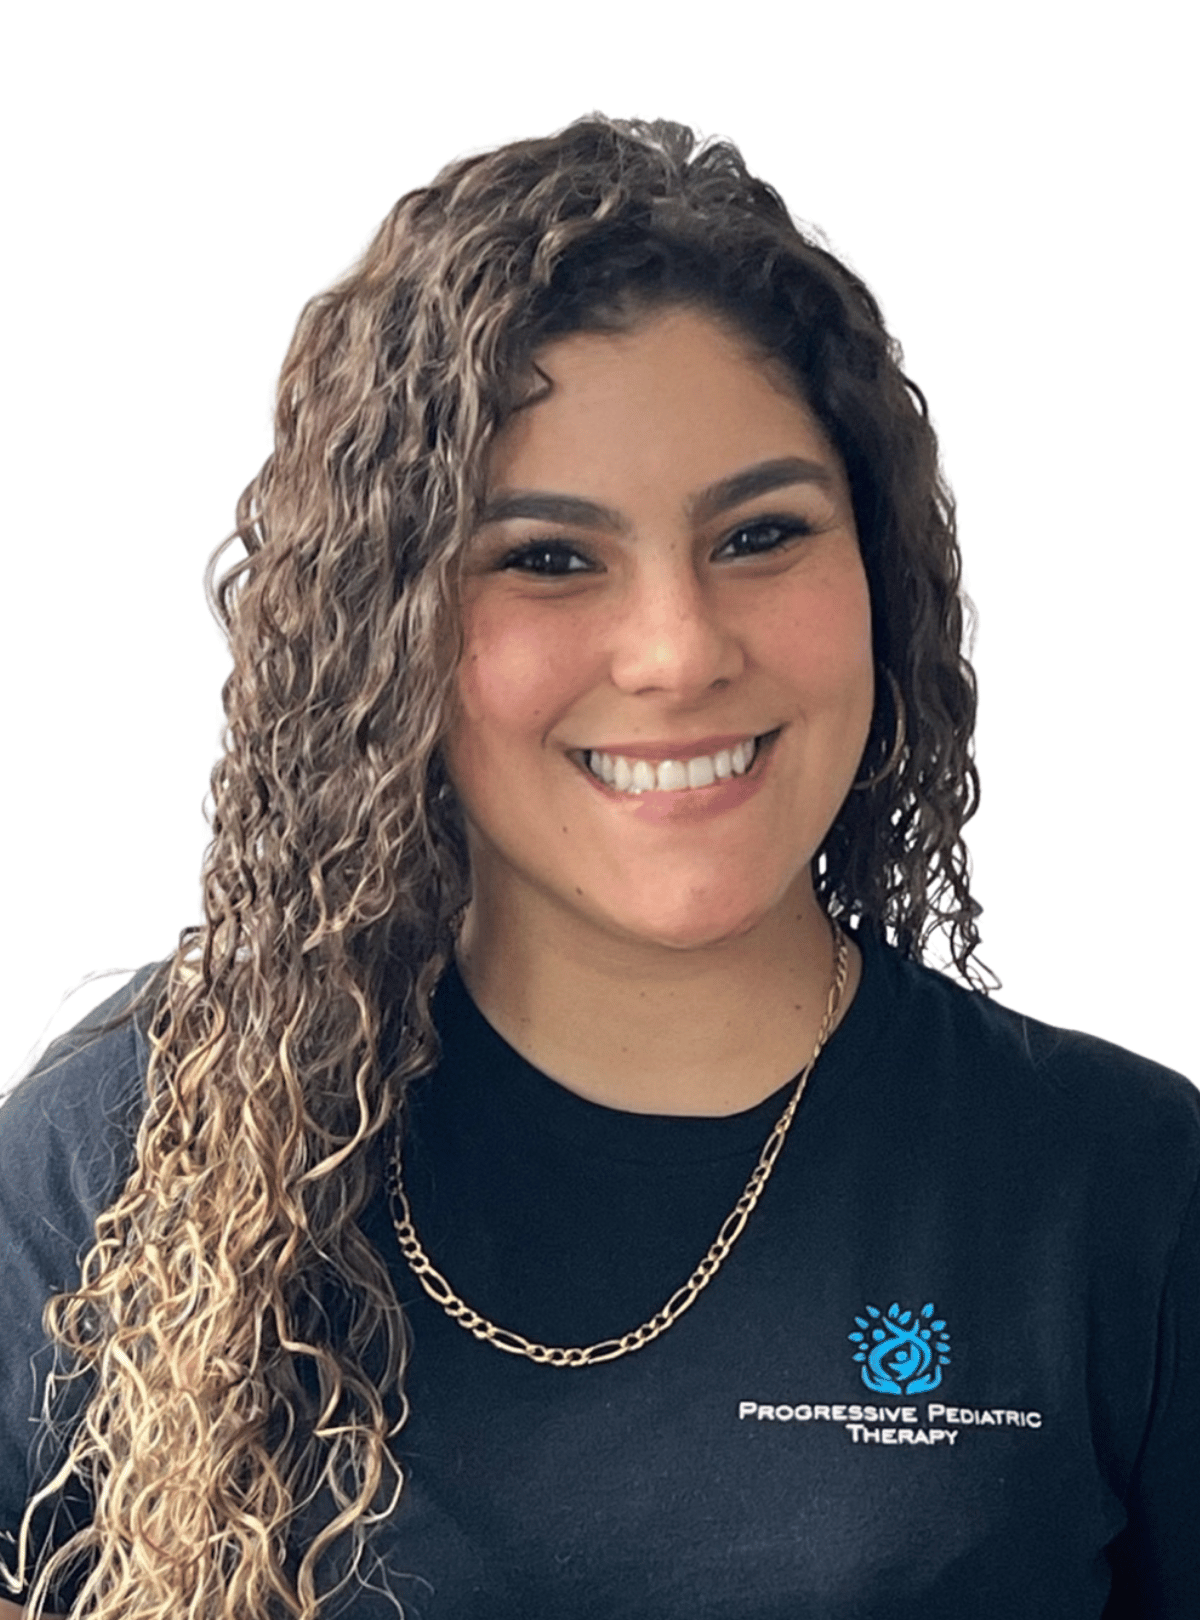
x,y
546,508
757,480
761,479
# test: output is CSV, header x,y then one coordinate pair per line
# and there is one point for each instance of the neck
x,y
638,1027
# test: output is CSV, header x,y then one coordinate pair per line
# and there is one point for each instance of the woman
x,y
548,1182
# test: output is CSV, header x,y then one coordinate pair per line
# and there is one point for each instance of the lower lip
x,y
691,804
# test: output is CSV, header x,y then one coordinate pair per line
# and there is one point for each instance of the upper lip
x,y
694,748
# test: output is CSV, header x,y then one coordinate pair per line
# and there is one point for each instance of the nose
x,y
670,635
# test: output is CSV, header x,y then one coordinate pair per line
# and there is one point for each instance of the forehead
x,y
676,395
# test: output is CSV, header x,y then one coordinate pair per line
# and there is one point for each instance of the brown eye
x,y
766,535
547,557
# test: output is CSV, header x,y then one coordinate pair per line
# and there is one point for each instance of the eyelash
x,y
522,560
552,559
784,528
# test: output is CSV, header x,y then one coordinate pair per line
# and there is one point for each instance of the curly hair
x,y
214,1402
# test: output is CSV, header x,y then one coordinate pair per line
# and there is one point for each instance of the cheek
x,y
517,672
822,639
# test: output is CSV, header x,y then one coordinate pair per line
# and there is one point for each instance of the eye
x,y
763,535
553,558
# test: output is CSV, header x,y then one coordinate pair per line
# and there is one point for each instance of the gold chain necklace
x,y
439,1290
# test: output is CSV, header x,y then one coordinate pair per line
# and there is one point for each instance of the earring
x,y
897,749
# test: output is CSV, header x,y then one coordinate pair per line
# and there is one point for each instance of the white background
x,y
1015,182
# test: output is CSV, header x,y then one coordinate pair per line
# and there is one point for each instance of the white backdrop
x,y
1016,184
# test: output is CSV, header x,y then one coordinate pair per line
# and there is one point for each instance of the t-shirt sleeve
x,y
1156,1566
67,1134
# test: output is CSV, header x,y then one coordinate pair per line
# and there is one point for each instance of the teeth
x,y
671,775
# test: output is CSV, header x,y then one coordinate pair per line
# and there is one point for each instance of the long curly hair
x,y
213,1402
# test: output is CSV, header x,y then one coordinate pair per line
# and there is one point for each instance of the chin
x,y
691,927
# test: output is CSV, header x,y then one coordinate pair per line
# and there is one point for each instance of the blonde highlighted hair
x,y
213,1402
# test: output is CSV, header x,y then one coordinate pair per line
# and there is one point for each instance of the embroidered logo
x,y
902,1353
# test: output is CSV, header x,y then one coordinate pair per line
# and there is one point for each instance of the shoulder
x,y
1000,1074
1080,1070
67,1135
67,1130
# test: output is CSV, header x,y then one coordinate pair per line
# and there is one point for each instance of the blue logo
x,y
902,1353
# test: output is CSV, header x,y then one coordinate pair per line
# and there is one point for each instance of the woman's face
x,y
666,682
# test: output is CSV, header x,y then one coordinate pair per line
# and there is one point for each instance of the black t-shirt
x,y
951,1368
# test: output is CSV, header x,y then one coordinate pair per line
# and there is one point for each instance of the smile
x,y
634,776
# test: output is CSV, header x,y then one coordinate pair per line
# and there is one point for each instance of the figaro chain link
x,y
439,1290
